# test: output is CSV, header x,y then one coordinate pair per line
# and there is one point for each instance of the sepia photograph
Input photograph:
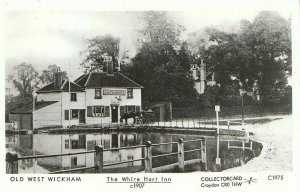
x,y
149,91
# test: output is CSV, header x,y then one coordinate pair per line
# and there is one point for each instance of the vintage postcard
x,y
175,95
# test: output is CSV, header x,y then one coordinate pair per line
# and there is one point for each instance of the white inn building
x,y
92,99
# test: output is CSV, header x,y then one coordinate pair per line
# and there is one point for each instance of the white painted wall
x,y
48,116
211,83
67,104
197,87
107,100
55,115
49,96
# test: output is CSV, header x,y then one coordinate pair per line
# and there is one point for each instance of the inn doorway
x,y
114,114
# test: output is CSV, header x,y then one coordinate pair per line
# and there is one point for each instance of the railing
x,y
243,147
12,157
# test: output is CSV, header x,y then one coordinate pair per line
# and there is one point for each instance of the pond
x,y
230,151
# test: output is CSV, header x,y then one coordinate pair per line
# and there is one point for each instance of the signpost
x,y
218,160
217,109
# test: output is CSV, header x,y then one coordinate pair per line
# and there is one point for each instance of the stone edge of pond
x,y
137,129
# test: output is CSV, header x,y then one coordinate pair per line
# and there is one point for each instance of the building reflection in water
x,y
47,144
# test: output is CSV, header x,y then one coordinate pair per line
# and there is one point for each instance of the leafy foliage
x,y
162,62
160,32
24,79
48,74
97,47
258,57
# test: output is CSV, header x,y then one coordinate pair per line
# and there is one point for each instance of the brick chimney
x,y
59,77
108,65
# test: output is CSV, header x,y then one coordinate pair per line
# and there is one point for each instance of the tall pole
x,y
217,109
218,160
218,126
242,109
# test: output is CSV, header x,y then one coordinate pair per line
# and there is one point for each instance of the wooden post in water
x,y
11,163
203,153
148,157
98,158
180,155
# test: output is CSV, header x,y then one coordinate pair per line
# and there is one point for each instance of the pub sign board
x,y
114,92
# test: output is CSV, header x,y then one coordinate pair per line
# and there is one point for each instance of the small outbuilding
x,y
22,117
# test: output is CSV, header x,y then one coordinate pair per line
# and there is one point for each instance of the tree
x,y
24,80
258,56
97,47
162,64
160,32
269,38
197,44
48,74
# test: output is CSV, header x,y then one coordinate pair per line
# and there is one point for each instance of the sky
x,y
42,38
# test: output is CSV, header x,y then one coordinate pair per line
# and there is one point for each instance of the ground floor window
x,y
74,113
98,111
129,109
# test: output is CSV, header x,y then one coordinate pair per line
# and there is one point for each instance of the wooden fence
x,y
12,157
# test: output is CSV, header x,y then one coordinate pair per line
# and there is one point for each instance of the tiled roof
x,y
92,80
101,79
80,77
81,80
27,109
65,88
74,87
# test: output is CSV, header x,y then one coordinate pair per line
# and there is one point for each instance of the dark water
x,y
46,144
